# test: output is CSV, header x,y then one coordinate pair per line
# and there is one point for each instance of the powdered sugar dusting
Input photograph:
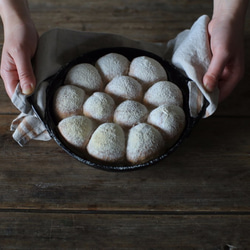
x,y
164,92
169,119
107,143
76,130
112,65
126,121
68,100
85,76
144,141
125,88
147,71
130,113
100,106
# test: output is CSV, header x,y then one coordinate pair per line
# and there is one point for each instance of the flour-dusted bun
x,y
147,71
112,65
108,143
117,112
76,131
144,143
170,120
99,106
123,88
85,76
130,113
67,101
163,92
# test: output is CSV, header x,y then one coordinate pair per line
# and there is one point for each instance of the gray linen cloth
x,y
189,51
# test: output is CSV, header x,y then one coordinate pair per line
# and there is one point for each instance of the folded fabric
x,y
189,52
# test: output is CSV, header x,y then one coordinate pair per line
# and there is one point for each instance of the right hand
x,y
20,43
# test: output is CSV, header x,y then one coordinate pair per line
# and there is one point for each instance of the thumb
x,y
25,74
214,72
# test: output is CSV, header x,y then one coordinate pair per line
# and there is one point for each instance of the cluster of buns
x,y
119,111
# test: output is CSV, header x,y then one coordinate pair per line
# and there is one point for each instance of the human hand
x,y
20,43
226,33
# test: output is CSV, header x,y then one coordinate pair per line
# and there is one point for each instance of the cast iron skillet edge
x,y
174,75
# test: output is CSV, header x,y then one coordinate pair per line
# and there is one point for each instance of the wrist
x,y
232,12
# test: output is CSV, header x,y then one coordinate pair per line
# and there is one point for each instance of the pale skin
x,y
20,42
226,31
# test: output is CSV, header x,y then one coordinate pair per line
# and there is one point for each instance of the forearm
x,y
232,9
13,11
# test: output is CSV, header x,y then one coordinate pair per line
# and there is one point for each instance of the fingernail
x,y
28,89
208,87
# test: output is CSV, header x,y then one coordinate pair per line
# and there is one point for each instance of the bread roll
x,y
163,92
85,76
99,106
115,124
112,65
123,88
144,143
67,101
76,130
107,143
147,71
170,120
130,113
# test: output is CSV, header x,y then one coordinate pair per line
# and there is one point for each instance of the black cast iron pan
x,y
174,75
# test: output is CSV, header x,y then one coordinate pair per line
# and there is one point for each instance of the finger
x,y
229,80
10,80
25,73
225,90
214,72
9,74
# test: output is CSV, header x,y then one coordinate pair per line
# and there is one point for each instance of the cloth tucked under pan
x,y
189,51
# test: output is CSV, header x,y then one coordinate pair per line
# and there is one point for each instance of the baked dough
x,y
67,101
163,92
147,71
123,88
99,106
112,65
130,121
144,143
170,120
130,113
76,130
108,143
85,76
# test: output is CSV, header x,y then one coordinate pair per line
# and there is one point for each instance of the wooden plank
x,y
120,17
122,231
198,198
236,105
140,5
209,172
6,106
157,21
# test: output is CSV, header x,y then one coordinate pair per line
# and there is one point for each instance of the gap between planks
x,y
124,212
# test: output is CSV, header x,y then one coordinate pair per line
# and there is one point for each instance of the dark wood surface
x,y
198,198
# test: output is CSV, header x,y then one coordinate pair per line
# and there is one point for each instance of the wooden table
x,y
198,198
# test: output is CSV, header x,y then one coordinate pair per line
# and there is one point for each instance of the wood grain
x,y
122,231
207,173
197,198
